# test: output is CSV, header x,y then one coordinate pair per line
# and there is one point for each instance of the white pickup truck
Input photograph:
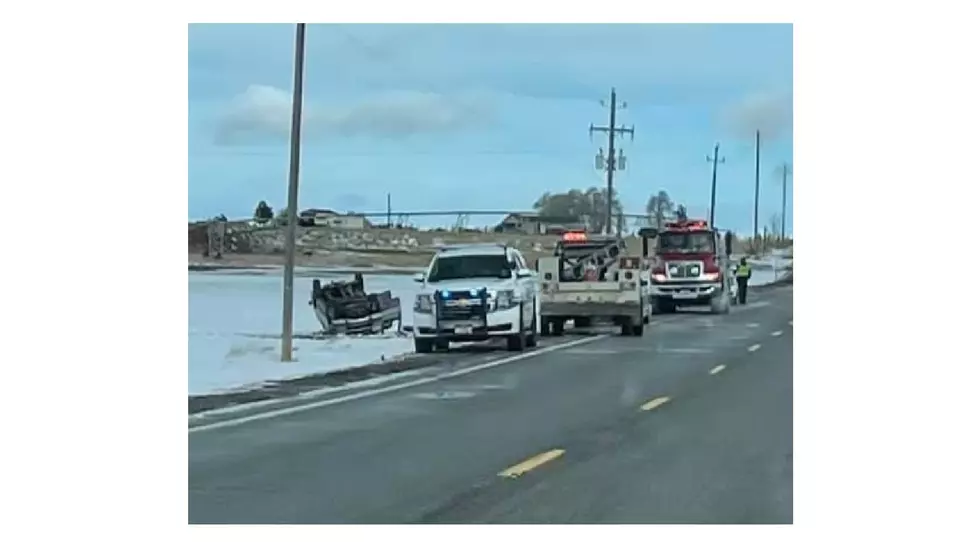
x,y
593,278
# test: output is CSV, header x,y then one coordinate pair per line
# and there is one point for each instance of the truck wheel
x,y
532,335
720,305
638,330
557,326
424,346
666,306
515,342
626,329
442,345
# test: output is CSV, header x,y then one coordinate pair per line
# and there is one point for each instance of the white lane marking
x,y
717,369
684,350
754,347
777,333
752,324
378,391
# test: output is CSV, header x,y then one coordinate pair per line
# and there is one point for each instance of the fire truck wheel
x,y
720,305
423,346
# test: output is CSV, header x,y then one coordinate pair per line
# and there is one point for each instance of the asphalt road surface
x,y
691,423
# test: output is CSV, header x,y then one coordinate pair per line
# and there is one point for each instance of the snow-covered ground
x,y
234,321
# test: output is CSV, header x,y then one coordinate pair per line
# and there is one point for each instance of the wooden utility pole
x,y
755,221
610,163
293,196
782,229
714,183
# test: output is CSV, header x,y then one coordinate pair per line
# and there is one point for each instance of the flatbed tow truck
x,y
591,278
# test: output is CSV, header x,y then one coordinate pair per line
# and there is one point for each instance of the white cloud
x,y
770,113
263,113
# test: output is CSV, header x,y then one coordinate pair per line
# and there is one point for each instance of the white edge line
x,y
378,391
318,392
754,347
777,333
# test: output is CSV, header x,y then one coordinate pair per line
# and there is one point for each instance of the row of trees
x,y
589,207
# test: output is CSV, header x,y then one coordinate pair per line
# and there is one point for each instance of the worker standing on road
x,y
742,275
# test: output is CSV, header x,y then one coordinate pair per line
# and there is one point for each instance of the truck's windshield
x,y
470,266
687,242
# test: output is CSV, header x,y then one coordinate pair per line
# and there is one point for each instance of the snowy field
x,y
234,320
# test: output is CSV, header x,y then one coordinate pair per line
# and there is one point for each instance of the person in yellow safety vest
x,y
742,275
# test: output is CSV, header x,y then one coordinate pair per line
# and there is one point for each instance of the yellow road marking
x,y
777,333
531,463
650,405
754,347
717,369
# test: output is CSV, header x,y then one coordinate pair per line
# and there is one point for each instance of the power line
x,y
611,162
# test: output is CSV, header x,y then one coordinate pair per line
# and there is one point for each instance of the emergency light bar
x,y
574,236
688,225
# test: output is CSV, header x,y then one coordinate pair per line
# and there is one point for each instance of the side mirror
x,y
524,273
728,243
419,277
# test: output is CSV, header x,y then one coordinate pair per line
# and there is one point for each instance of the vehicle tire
x,y
557,326
532,336
626,329
666,306
424,346
638,330
516,341
720,305
583,322
442,345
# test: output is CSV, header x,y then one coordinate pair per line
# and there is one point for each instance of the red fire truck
x,y
689,266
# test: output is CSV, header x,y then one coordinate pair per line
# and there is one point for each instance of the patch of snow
x,y
226,312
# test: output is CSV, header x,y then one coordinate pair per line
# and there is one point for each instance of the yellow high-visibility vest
x,y
743,271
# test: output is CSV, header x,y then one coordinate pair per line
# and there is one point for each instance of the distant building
x,y
325,218
534,224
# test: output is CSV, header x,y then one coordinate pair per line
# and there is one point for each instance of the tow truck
x,y
689,263
591,278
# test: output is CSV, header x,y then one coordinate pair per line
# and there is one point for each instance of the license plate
x,y
685,295
464,330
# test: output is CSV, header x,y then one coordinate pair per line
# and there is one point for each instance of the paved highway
x,y
691,423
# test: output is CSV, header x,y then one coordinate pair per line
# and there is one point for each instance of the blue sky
x,y
487,116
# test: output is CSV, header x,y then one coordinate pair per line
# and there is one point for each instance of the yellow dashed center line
x,y
650,405
717,369
754,347
531,463
777,333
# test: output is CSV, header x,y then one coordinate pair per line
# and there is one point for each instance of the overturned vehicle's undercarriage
x,y
344,308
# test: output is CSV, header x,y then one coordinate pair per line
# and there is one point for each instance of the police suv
x,y
474,293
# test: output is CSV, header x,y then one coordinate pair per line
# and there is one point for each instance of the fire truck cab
x,y
689,266
593,277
